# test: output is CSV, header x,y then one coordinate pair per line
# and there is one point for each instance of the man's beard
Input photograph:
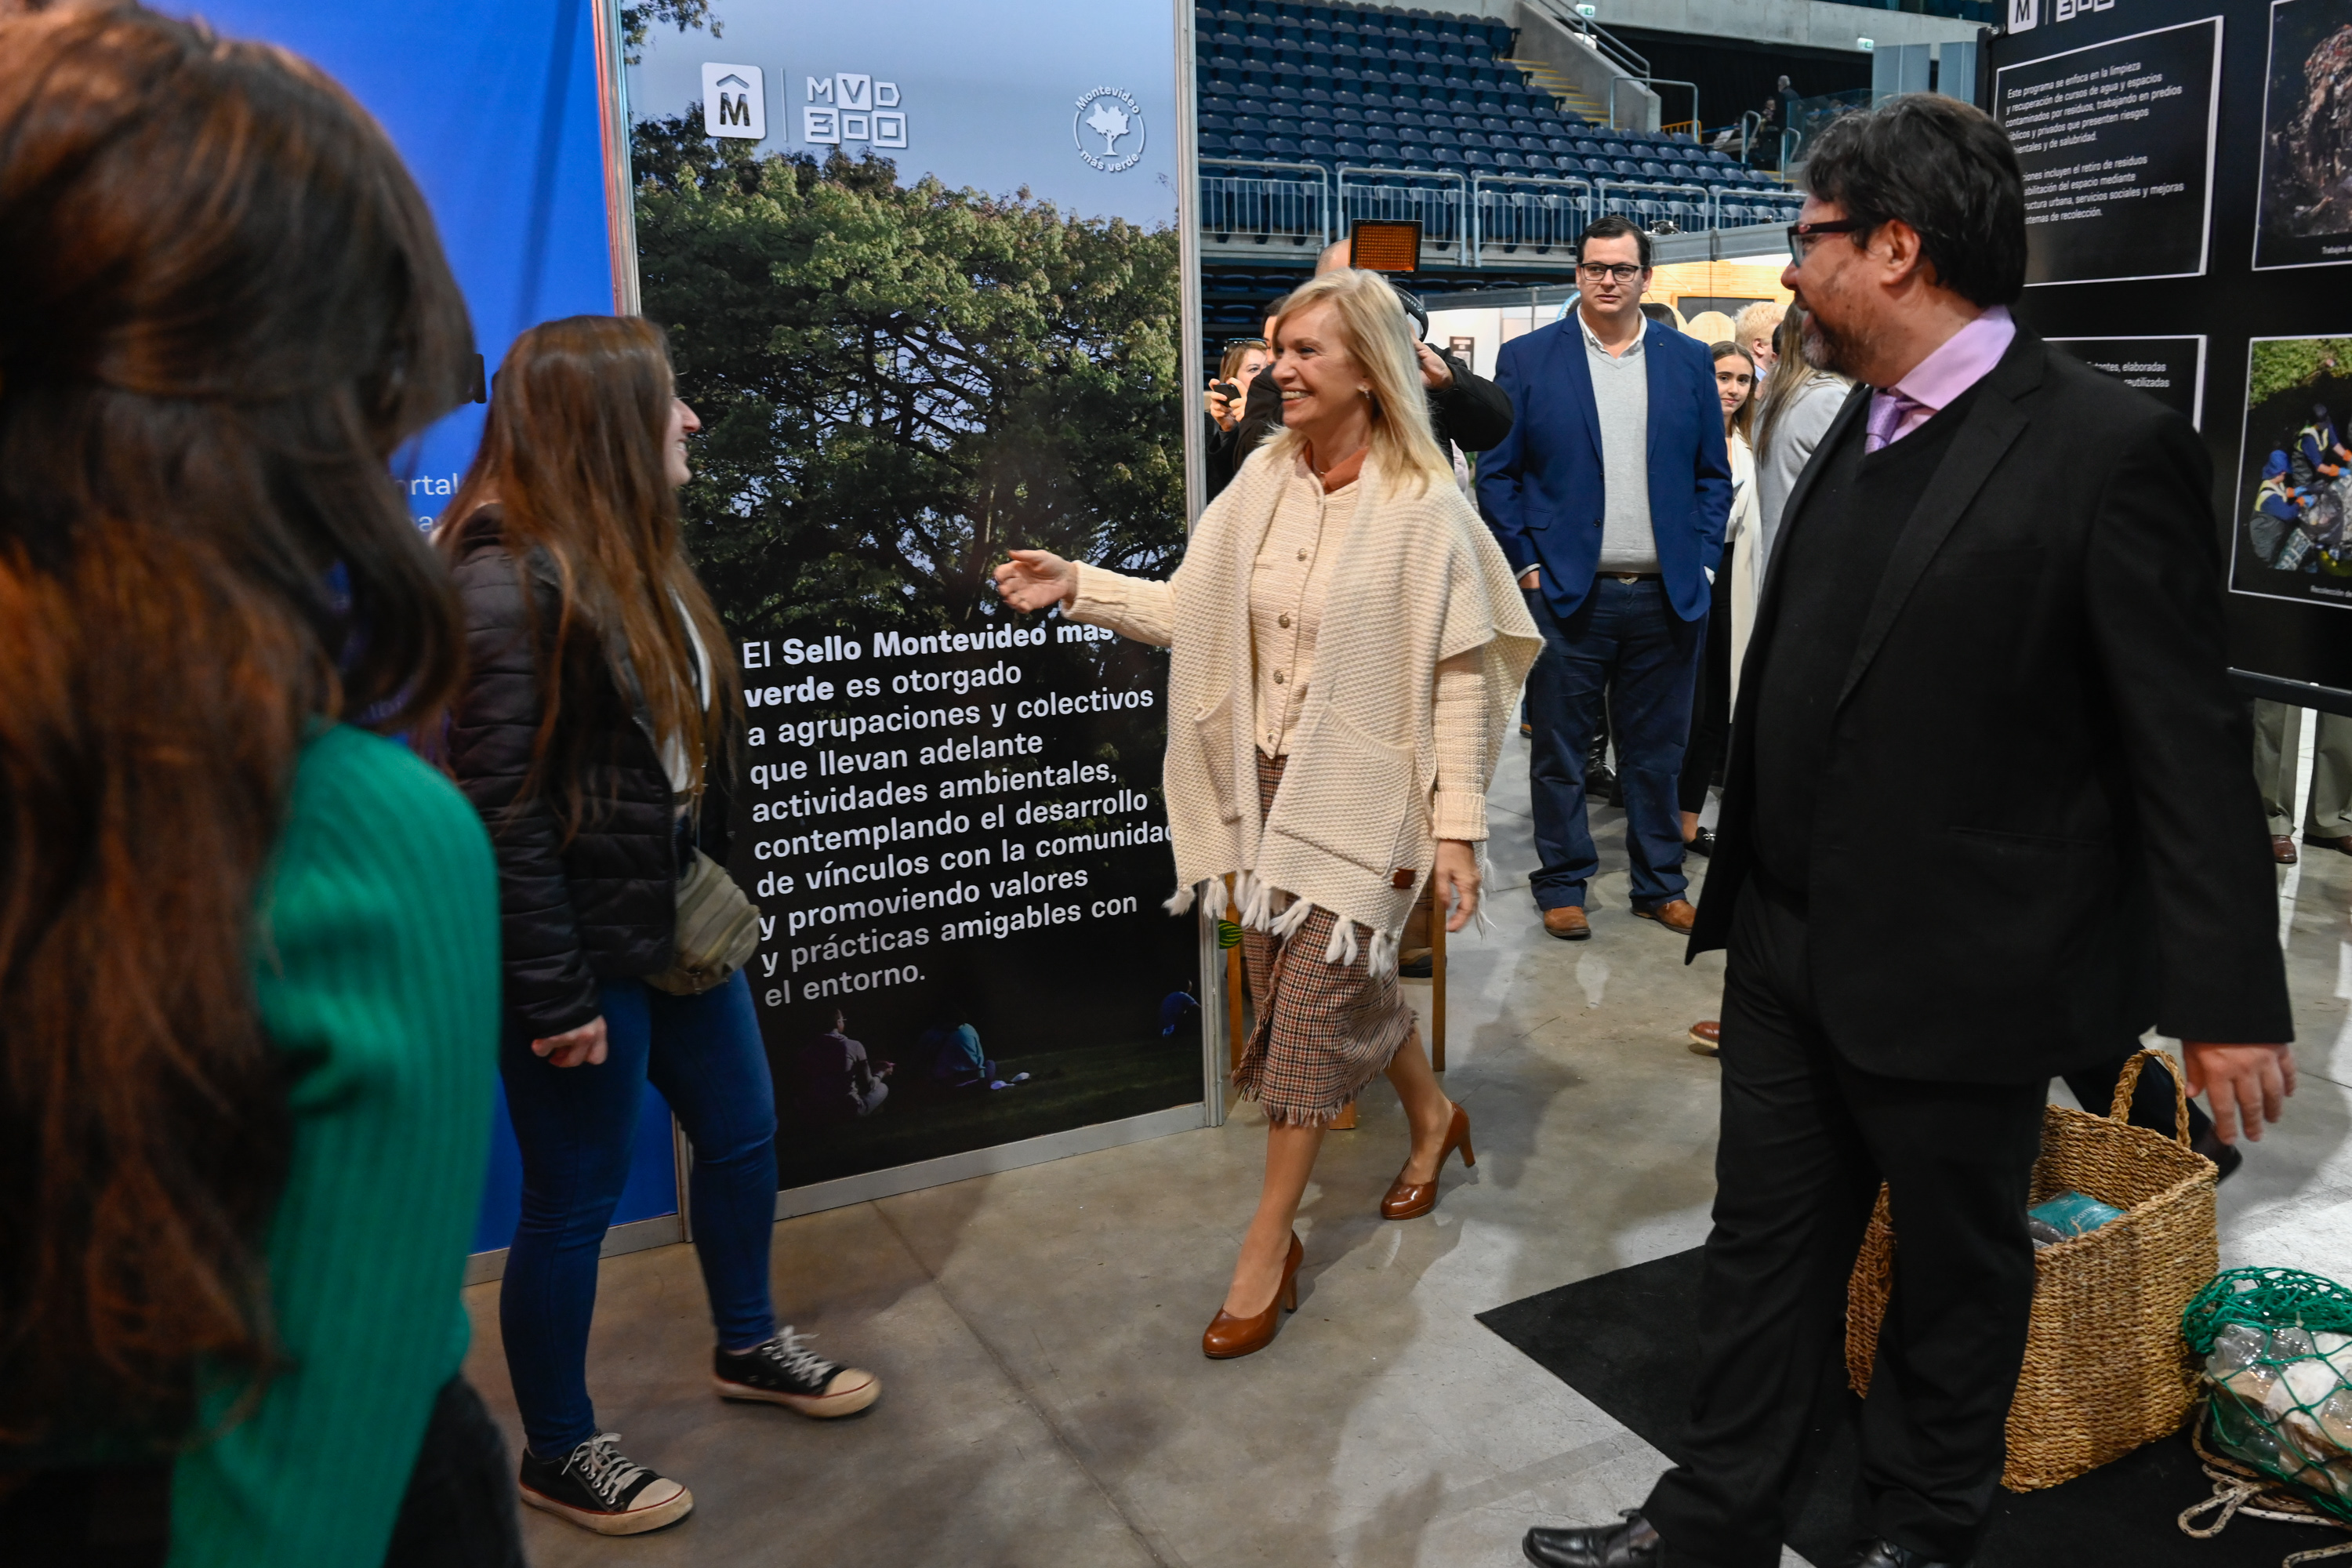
x,y
1833,349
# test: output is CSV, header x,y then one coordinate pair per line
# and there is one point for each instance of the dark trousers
x,y
457,1513
1710,725
1806,1140
575,1126
1626,648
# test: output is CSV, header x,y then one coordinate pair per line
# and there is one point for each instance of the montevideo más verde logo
x,y
1108,129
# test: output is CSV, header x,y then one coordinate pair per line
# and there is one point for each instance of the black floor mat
x,y
1625,1341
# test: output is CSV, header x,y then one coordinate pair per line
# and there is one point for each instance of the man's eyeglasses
x,y
1803,235
1622,271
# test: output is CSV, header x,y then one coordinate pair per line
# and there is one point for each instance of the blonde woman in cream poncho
x,y
1346,648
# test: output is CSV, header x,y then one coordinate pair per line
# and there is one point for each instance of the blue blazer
x,y
1541,489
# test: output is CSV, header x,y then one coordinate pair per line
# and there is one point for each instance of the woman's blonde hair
x,y
1379,339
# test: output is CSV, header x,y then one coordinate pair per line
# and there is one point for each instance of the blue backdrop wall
x,y
494,107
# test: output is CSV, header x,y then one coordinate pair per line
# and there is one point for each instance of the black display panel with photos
x,y
2280,151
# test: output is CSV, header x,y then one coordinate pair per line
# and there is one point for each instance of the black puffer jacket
x,y
603,905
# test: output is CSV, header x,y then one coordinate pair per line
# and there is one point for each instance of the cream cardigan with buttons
x,y
1417,581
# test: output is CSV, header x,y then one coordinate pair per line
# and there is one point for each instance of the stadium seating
x,y
1414,105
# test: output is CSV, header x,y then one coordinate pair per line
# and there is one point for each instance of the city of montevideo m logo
x,y
1107,126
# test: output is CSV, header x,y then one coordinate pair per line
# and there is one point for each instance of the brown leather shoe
x,y
2282,849
2341,846
1227,1336
1676,914
1707,1036
1410,1200
1568,923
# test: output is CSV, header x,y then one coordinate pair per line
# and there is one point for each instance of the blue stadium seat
x,y
1316,149
1282,147
1626,168
1245,146
1352,151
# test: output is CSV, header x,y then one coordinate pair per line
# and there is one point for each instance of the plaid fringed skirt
x,y
1322,1031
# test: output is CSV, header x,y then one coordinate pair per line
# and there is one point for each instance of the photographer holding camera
x,y
1465,410
1245,357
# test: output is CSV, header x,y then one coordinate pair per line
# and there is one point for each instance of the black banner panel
x,y
2190,160
2116,142
2170,370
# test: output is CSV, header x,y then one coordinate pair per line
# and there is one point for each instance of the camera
x,y
1229,390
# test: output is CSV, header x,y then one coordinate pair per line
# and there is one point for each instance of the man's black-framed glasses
x,y
1624,271
1803,235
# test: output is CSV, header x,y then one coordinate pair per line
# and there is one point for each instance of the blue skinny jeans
x,y
575,1126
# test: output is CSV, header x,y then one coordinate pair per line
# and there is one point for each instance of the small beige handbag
x,y
718,930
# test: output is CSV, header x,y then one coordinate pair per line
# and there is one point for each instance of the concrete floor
x,y
1046,1404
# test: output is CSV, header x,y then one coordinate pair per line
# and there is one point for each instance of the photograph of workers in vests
x,y
2304,218
2294,533
919,276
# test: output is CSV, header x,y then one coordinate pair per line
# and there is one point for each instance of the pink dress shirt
x,y
1964,358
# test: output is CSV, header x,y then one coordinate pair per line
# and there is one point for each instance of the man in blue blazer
x,y
1609,497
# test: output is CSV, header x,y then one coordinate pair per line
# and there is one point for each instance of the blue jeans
x,y
1626,646
575,1126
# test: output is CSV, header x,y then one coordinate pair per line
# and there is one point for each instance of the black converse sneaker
x,y
596,1488
784,1370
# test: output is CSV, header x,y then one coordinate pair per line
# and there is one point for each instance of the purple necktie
x,y
1887,410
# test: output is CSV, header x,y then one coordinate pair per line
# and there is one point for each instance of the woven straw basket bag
x,y
2104,1369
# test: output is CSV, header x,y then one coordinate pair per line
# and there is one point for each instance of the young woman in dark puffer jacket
x,y
597,726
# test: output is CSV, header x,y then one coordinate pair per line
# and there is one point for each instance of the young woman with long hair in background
x,y
597,734
248,990
1718,669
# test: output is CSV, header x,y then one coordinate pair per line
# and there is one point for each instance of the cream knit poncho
x,y
1419,580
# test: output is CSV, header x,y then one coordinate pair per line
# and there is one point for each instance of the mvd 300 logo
x,y
1107,126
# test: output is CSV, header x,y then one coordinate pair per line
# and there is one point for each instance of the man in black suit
x,y
1994,553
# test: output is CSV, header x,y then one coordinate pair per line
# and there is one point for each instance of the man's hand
x,y
1035,579
1436,373
1533,580
2239,1081
1456,881
570,1049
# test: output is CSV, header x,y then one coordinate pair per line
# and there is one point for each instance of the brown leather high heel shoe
x,y
1228,1336
1410,1200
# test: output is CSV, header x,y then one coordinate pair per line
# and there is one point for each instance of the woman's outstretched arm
x,y
1137,607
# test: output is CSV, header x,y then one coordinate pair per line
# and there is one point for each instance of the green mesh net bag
x,y
2277,1345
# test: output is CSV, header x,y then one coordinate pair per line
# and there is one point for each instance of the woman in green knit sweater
x,y
248,982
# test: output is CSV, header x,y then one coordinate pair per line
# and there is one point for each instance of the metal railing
x,y
1649,203
1280,201
1439,202
1532,212
1472,214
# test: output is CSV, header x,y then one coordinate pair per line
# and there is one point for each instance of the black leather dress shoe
x,y
1887,1555
1631,1543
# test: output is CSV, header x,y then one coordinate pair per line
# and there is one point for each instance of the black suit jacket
x,y
2037,835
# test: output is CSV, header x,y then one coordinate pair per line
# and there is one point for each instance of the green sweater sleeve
x,y
377,971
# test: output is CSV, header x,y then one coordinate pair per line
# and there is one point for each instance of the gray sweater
x,y
1795,434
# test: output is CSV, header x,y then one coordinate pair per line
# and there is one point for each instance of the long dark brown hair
x,y
222,305
573,456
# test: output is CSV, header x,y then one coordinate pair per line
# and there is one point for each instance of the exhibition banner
x,y
919,266
2170,370
2115,141
2189,159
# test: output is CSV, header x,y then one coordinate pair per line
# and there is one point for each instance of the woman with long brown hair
x,y
597,734
1346,648
248,991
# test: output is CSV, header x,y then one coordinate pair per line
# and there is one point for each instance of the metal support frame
x,y
1677,190
612,123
